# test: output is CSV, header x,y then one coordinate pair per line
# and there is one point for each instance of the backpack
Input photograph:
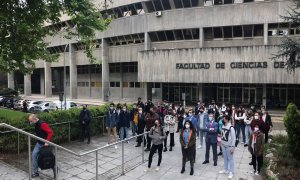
x,y
46,159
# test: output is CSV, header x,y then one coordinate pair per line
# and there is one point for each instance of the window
x,y
170,35
178,35
218,32
194,3
114,84
114,67
227,32
246,1
93,84
157,5
137,84
130,67
248,31
218,2
83,69
150,6
156,85
166,4
237,31
186,4
178,4
228,1
208,33
153,36
98,84
258,30
161,36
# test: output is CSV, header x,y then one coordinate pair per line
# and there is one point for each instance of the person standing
x,y
228,145
157,135
140,126
258,121
256,148
169,122
188,145
150,118
268,123
133,119
240,124
43,131
140,103
111,123
203,119
124,123
191,117
84,121
180,113
248,131
211,139
25,106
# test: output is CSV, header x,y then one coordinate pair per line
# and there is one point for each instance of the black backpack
x,y
46,159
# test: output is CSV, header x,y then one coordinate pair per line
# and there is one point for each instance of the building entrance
x,y
172,92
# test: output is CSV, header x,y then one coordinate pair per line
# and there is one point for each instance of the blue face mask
x,y
210,118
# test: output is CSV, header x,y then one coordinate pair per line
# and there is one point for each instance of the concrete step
x,y
8,172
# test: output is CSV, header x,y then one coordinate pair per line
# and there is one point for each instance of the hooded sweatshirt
x,y
228,135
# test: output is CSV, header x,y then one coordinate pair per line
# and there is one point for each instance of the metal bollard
x,y
56,167
123,160
96,165
18,143
69,132
29,157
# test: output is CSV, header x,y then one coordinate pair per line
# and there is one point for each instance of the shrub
x,y
292,124
8,92
8,141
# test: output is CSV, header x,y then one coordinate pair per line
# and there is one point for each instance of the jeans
x,y
228,158
214,148
34,156
201,136
152,151
248,132
240,127
123,132
85,132
134,129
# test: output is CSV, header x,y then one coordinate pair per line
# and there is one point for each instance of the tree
x,y
23,30
289,50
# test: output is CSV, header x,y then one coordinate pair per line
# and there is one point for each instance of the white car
x,y
32,104
47,106
61,105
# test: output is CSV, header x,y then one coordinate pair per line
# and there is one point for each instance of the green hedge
x,y
292,124
8,141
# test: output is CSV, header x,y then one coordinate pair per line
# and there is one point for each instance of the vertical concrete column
x,y
121,82
147,86
201,37
266,34
145,7
48,79
27,85
105,71
264,100
73,73
172,4
42,81
11,80
200,92
147,43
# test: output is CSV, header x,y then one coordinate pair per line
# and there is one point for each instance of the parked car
x,y
19,104
31,105
47,106
4,100
70,105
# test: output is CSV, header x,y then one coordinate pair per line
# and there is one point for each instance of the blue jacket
x,y
124,119
211,136
193,119
111,119
205,120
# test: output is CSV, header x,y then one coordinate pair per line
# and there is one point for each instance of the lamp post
x,y
65,77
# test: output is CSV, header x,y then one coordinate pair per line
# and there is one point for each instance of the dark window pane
x,y
150,6
178,35
248,30
218,32
273,26
112,84
218,2
131,84
195,33
246,1
157,5
187,34
258,30
153,36
208,33
178,4
117,84
227,32
161,36
186,3
228,1
137,84
170,35
194,3
237,31
166,4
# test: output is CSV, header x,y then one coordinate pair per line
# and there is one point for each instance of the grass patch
x,y
10,114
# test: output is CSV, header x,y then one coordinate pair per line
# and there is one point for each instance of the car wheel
x,y
31,110
46,111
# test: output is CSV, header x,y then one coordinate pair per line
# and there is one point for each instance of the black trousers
x,y
214,148
186,156
259,164
85,132
266,136
152,151
148,141
171,139
139,139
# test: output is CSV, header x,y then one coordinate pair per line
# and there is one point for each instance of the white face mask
x,y
124,109
187,126
111,108
256,117
140,112
256,129
190,114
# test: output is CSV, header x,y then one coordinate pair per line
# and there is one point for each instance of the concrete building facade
x,y
162,49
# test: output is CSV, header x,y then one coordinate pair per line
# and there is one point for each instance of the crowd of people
x,y
216,126
219,126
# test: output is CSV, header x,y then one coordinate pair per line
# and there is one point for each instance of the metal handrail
x,y
70,151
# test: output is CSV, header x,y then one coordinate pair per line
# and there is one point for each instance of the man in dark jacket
x,y
84,121
150,118
43,131
140,103
124,123
211,139
180,114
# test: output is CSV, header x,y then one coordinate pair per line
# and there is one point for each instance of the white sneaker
x,y
116,147
242,142
256,174
147,170
223,172
157,169
197,137
230,175
199,147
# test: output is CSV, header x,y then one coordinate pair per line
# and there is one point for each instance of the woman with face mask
x,y
240,124
157,135
257,121
188,145
111,121
170,122
256,148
